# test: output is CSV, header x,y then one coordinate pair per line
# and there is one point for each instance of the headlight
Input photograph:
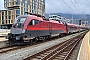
x,y
17,38
23,31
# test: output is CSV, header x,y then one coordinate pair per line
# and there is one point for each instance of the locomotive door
x,y
50,27
66,27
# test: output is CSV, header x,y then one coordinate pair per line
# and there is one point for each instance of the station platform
x,y
3,33
84,52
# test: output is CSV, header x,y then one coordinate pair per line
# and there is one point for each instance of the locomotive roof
x,y
41,18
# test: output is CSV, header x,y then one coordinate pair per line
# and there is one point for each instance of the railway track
x,y
8,48
12,48
61,51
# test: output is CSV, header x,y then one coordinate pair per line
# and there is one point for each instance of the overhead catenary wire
x,y
69,6
75,6
82,15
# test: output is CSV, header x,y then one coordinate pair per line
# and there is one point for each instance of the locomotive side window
x,y
33,22
36,21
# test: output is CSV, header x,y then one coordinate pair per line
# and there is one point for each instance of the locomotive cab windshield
x,y
19,22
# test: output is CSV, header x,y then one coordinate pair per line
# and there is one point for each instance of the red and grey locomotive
x,y
30,28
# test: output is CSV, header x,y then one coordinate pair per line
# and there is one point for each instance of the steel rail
x,y
72,45
57,49
13,47
72,49
50,53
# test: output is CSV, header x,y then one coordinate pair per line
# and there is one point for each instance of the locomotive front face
x,y
18,24
17,30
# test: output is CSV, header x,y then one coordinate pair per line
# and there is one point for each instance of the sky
x,y
1,4
64,6
68,6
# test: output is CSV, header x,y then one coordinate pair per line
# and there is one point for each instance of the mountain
x,y
76,17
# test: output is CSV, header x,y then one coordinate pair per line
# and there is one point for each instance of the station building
x,y
15,8
59,18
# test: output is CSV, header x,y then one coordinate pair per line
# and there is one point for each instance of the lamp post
x,y
87,20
